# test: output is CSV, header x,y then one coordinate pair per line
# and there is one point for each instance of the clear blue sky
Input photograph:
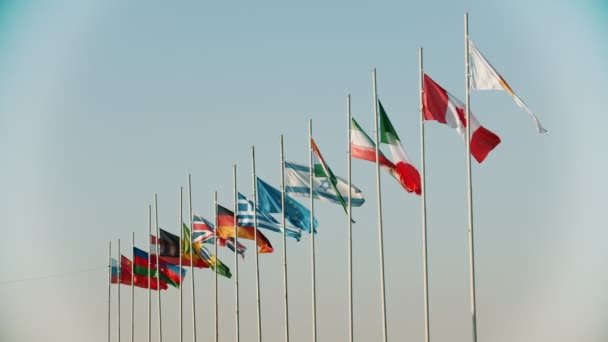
x,y
104,103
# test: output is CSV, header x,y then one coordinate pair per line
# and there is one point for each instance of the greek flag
x,y
245,216
298,184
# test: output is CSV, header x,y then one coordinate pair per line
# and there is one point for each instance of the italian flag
x,y
363,147
441,106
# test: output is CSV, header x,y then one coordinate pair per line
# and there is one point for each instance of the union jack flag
x,y
203,231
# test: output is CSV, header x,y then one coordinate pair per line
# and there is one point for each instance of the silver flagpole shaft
x,y
380,233
133,289
255,233
470,185
217,333
149,273
350,227
236,255
160,321
425,278
119,279
284,227
109,289
312,236
191,259
181,248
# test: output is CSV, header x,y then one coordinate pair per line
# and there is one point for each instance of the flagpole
x,y
283,225
118,284
312,236
350,227
160,321
469,177
380,233
109,289
255,233
150,273
425,278
192,277
132,289
236,254
216,263
181,248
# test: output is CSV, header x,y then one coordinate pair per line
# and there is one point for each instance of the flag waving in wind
x,y
204,231
297,184
485,77
443,107
321,170
363,147
245,216
269,201
405,172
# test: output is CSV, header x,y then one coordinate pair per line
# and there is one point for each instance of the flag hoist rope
x,y
191,278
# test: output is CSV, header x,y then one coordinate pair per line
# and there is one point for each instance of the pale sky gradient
x,y
104,103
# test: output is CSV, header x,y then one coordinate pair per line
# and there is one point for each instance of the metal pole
x,y
380,233
181,248
255,233
109,289
236,254
150,273
160,321
469,178
284,227
118,284
192,277
312,235
133,289
423,197
217,333
350,227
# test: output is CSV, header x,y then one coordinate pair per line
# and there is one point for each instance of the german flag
x,y
225,222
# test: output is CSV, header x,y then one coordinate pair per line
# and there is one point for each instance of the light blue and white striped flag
x,y
245,213
298,184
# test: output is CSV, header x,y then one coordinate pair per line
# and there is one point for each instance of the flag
x,y
485,77
225,230
322,170
141,263
138,280
204,231
245,218
269,201
171,274
298,184
200,252
405,172
363,147
441,106
169,250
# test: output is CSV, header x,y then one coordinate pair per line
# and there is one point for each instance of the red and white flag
x,y
441,106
